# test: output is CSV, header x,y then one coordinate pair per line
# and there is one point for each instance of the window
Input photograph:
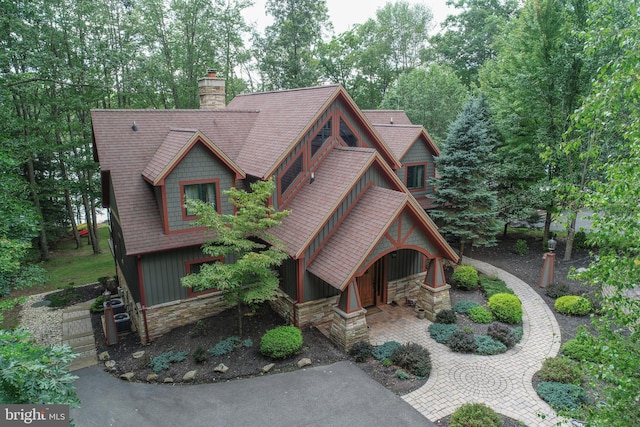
x,y
206,192
347,135
321,137
193,267
415,177
290,174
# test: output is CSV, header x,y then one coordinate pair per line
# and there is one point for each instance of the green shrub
x,y
402,375
573,305
521,247
582,348
199,330
200,355
506,308
161,362
361,351
414,358
502,333
489,346
248,343
561,370
98,305
442,332
384,351
225,346
562,396
580,240
519,332
386,363
463,307
446,316
281,342
463,342
491,286
480,314
557,290
475,415
465,277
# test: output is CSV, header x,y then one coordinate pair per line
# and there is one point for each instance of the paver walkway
x,y
77,332
503,381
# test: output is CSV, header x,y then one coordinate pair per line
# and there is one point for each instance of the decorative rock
x,y
138,354
110,364
104,356
128,376
304,362
267,368
189,376
581,270
168,380
222,368
152,377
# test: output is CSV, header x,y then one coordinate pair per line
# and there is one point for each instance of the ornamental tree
x,y
251,253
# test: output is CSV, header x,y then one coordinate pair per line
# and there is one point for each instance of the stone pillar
x,y
212,92
348,328
434,292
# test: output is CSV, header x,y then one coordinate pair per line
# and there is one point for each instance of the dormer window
x,y
321,137
347,134
206,191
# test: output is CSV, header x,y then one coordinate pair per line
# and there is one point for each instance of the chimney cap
x,y
212,72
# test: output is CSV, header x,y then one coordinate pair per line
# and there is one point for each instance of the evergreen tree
x,y
467,206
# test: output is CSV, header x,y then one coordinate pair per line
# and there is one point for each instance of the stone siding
x,y
348,328
315,312
406,288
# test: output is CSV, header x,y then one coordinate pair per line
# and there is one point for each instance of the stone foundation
x,y
405,288
348,328
315,312
432,300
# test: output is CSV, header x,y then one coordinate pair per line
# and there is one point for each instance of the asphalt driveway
x,y
334,395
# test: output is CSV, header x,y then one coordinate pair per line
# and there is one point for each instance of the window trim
x,y
189,263
343,119
301,155
424,176
318,130
183,199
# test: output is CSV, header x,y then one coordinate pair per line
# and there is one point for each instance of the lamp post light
x,y
548,268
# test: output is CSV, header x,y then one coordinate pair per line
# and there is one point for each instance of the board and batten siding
x,y
371,175
405,263
162,272
288,278
316,288
198,164
127,264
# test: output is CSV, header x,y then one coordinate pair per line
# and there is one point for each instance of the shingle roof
x,y
358,234
316,201
175,141
386,117
125,153
399,138
284,117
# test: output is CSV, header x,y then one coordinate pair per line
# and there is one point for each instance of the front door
x,y
372,285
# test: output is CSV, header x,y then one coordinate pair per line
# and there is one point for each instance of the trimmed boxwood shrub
x,y
281,342
465,277
442,332
491,286
463,307
489,346
562,396
506,308
502,333
361,351
573,305
463,342
561,370
446,316
480,314
384,351
414,358
475,415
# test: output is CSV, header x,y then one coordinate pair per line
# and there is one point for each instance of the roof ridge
x,y
289,90
397,125
179,110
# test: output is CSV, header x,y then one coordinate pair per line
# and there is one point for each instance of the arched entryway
x,y
372,285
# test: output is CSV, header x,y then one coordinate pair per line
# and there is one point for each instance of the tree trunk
x,y
506,226
570,235
547,226
42,239
461,251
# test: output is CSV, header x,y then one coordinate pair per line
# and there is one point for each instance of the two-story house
x,y
356,184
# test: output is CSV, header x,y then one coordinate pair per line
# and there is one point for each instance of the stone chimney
x,y
212,91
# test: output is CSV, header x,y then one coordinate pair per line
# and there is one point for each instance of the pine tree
x,y
466,205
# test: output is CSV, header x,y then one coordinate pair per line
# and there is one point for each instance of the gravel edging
x,y
44,323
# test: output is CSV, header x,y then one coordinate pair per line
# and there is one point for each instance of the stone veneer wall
x,y
306,313
433,300
406,288
348,328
